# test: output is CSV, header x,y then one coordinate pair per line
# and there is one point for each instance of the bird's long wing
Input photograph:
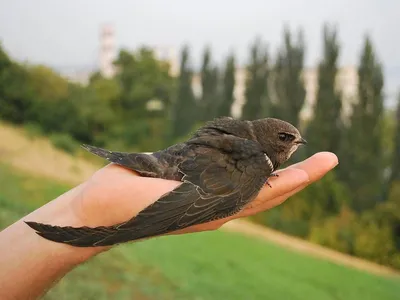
x,y
215,186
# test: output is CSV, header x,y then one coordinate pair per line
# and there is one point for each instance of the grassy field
x,y
217,265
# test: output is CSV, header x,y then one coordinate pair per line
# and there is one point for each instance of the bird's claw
x,y
272,175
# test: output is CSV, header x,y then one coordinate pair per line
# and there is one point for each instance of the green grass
x,y
20,193
216,265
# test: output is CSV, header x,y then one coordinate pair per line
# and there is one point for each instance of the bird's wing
x,y
216,184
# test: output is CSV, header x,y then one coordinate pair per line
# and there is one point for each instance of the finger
x,y
288,180
279,200
316,167
266,205
322,158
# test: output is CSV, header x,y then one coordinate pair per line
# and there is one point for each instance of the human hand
x,y
114,194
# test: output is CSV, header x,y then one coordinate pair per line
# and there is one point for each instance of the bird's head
x,y
279,139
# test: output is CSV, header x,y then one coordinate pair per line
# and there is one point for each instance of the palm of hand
x,y
114,194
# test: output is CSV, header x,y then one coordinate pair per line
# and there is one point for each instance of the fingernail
x,y
303,176
331,156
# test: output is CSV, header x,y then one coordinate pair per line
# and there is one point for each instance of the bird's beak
x,y
301,141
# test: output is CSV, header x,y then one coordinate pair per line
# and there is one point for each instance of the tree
x,y
49,95
324,130
391,206
227,97
287,80
15,100
145,96
46,84
142,78
106,89
256,92
184,109
389,211
209,87
395,166
362,154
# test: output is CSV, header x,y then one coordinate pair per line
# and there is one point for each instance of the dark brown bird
x,y
222,167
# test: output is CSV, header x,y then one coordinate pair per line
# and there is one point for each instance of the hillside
x,y
38,157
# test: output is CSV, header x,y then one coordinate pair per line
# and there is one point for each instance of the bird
x,y
222,167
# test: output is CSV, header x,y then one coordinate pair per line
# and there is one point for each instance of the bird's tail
x,y
112,156
144,164
82,236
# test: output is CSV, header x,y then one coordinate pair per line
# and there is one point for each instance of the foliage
x,y
15,102
143,80
64,141
209,82
228,87
395,159
184,109
362,154
287,80
46,84
336,231
256,92
325,128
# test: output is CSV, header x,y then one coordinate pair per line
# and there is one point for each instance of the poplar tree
x,y
256,92
287,80
228,86
324,130
362,155
184,109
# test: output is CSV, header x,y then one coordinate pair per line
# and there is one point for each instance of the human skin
x,y
30,265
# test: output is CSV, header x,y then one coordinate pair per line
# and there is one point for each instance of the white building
x,y
170,55
107,51
346,83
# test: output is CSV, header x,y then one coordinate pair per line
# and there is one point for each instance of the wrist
x,y
33,262
62,212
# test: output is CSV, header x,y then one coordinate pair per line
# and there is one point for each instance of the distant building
x,y
238,92
76,74
80,77
107,51
168,54
346,83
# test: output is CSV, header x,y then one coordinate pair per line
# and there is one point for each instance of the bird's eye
x,y
286,137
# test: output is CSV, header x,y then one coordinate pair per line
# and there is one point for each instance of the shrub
x,y
64,142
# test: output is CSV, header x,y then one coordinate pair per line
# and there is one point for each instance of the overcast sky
x,y
65,33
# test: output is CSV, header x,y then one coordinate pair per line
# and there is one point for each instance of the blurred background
x,y
142,75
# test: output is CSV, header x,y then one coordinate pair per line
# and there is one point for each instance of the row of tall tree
x,y
354,209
